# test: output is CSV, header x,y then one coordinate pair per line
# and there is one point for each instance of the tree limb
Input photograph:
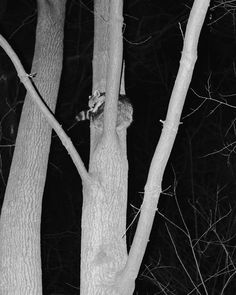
x,y
166,142
26,80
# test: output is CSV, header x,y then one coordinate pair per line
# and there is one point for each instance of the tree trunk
x,y
20,259
103,245
104,252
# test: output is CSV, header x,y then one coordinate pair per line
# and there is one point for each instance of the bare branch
x,y
26,80
164,147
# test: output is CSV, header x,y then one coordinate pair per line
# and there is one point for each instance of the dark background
x,y
199,182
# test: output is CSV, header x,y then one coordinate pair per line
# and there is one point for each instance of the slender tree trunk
x,y
20,259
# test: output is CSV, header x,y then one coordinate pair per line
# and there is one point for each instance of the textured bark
x,y
20,259
104,252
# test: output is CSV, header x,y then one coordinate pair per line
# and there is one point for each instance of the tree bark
x,y
20,259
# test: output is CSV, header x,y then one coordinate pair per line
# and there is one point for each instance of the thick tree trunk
x,y
20,259
104,252
103,244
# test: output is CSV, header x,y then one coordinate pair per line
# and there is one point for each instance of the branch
x,y
26,80
166,142
114,66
